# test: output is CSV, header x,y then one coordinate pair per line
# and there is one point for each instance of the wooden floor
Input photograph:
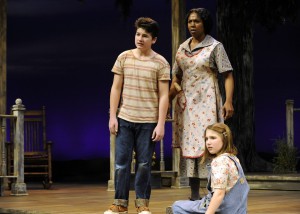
x,y
94,198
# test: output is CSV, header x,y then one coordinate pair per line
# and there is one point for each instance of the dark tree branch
x,y
272,13
124,6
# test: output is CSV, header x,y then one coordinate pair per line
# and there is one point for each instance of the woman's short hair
x,y
205,16
148,24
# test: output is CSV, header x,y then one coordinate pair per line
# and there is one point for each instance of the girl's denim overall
x,y
234,202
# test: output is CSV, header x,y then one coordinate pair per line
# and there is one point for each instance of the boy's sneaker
x,y
143,210
116,209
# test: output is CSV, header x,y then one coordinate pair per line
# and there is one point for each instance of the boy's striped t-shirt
x,y
140,97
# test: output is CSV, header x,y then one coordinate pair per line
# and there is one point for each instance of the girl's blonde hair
x,y
225,133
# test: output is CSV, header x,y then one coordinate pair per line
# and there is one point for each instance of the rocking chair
x,y
37,149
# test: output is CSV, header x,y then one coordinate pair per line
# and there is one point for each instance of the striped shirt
x,y
139,101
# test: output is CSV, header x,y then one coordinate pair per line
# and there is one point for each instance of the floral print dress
x,y
200,102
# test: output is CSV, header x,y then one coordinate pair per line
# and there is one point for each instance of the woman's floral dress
x,y
200,102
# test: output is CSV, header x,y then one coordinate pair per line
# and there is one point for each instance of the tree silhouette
x,y
236,19
124,6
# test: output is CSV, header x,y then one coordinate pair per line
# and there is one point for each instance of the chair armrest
x,y
49,147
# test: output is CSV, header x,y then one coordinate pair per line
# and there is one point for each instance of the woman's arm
x,y
229,87
176,81
216,201
175,88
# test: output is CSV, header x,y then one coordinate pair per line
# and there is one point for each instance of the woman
x,y
227,186
199,103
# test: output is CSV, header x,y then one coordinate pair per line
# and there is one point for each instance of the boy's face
x,y
143,39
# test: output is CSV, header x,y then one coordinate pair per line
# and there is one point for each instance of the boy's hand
x,y
113,126
158,133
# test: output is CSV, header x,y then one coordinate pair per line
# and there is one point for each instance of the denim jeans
x,y
137,137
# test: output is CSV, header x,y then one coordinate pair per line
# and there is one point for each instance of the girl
x,y
227,186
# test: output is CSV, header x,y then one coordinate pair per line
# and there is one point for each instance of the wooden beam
x,y
178,25
3,24
178,36
2,66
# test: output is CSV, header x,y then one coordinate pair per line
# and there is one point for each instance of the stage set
x,y
270,193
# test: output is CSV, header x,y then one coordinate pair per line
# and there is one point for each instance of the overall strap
x,y
208,186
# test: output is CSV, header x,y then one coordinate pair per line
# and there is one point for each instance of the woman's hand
x,y
227,110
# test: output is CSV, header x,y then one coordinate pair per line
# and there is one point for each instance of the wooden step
x,y
269,181
35,173
35,166
168,178
274,181
8,176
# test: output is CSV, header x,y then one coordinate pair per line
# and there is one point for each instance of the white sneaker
x,y
145,212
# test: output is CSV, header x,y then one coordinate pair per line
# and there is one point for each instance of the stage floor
x,y
81,198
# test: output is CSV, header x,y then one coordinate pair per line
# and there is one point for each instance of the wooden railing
x,y
177,182
18,186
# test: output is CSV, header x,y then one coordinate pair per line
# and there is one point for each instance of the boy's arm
x,y
163,90
115,95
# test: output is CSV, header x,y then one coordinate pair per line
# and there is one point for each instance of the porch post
x,y
178,36
111,182
290,122
3,24
19,187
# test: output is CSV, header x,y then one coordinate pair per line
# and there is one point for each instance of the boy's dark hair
x,y
148,25
205,16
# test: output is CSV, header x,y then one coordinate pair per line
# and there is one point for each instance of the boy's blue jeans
x,y
137,137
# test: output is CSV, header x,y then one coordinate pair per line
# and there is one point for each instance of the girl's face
x,y
143,39
213,142
195,26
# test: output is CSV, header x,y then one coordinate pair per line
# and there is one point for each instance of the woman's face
x,y
195,26
213,142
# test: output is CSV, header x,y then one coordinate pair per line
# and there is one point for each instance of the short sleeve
x,y
220,172
164,68
220,60
177,71
164,73
118,67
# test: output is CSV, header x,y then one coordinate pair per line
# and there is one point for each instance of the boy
x,y
141,86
